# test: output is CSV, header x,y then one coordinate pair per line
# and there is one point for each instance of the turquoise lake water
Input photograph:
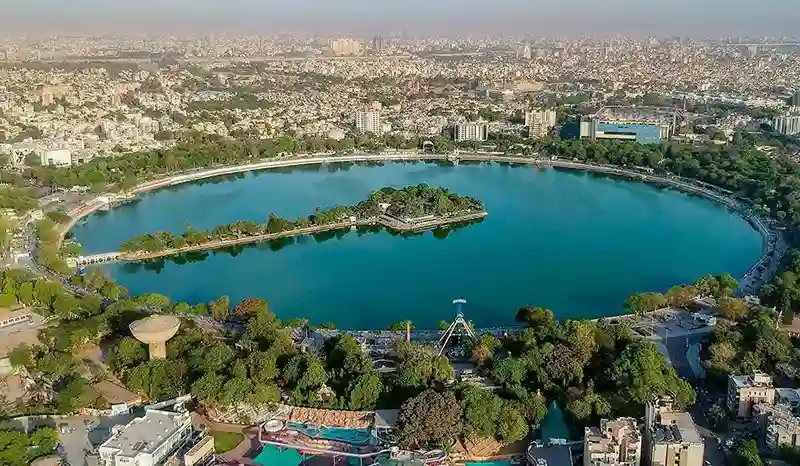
x,y
574,242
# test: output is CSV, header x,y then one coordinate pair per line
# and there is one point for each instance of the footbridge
x,y
82,261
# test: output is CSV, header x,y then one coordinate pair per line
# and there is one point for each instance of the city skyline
x,y
571,18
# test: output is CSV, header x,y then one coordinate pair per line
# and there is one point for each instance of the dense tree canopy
x,y
20,449
430,419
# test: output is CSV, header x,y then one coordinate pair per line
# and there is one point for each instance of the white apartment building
x,y
471,132
540,122
746,391
342,47
369,121
148,440
787,124
57,157
615,443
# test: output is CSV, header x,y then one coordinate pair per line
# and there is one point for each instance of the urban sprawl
x,y
702,374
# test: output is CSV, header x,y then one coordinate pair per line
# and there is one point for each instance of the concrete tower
x,y
154,331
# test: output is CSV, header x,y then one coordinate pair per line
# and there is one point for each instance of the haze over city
x,y
569,18
399,232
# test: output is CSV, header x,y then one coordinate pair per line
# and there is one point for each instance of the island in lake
x,y
412,208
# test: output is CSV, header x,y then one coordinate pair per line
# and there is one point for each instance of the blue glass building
x,y
643,133
641,126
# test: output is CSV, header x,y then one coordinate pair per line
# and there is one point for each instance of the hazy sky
x,y
704,18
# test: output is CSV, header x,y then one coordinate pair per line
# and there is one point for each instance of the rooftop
x,y
555,455
676,427
639,114
757,379
146,434
115,394
613,433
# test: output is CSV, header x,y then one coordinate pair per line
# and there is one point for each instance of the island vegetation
x,y
409,202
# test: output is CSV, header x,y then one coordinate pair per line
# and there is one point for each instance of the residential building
x,y
778,424
795,99
57,157
671,437
377,44
616,443
471,132
147,441
368,121
788,397
746,391
341,47
787,124
540,122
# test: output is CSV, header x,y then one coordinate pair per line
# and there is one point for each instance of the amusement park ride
x,y
458,328
363,446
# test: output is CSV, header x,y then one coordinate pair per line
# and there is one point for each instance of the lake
x,y
574,242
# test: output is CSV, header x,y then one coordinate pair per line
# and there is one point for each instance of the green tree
x,y
511,425
483,348
365,392
745,453
129,352
641,373
642,303
21,356
481,409
429,419
509,371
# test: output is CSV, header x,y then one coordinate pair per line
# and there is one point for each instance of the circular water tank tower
x,y
154,331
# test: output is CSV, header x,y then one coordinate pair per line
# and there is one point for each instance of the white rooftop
x,y
756,379
145,434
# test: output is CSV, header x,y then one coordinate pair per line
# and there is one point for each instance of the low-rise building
x,y
615,443
671,436
788,397
778,424
57,157
746,391
147,441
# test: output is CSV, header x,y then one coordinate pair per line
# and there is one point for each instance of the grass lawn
x,y
226,441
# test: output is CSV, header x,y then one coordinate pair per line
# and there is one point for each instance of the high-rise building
x,y
794,101
527,52
671,437
746,391
471,132
540,122
368,121
342,47
377,44
615,443
787,124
